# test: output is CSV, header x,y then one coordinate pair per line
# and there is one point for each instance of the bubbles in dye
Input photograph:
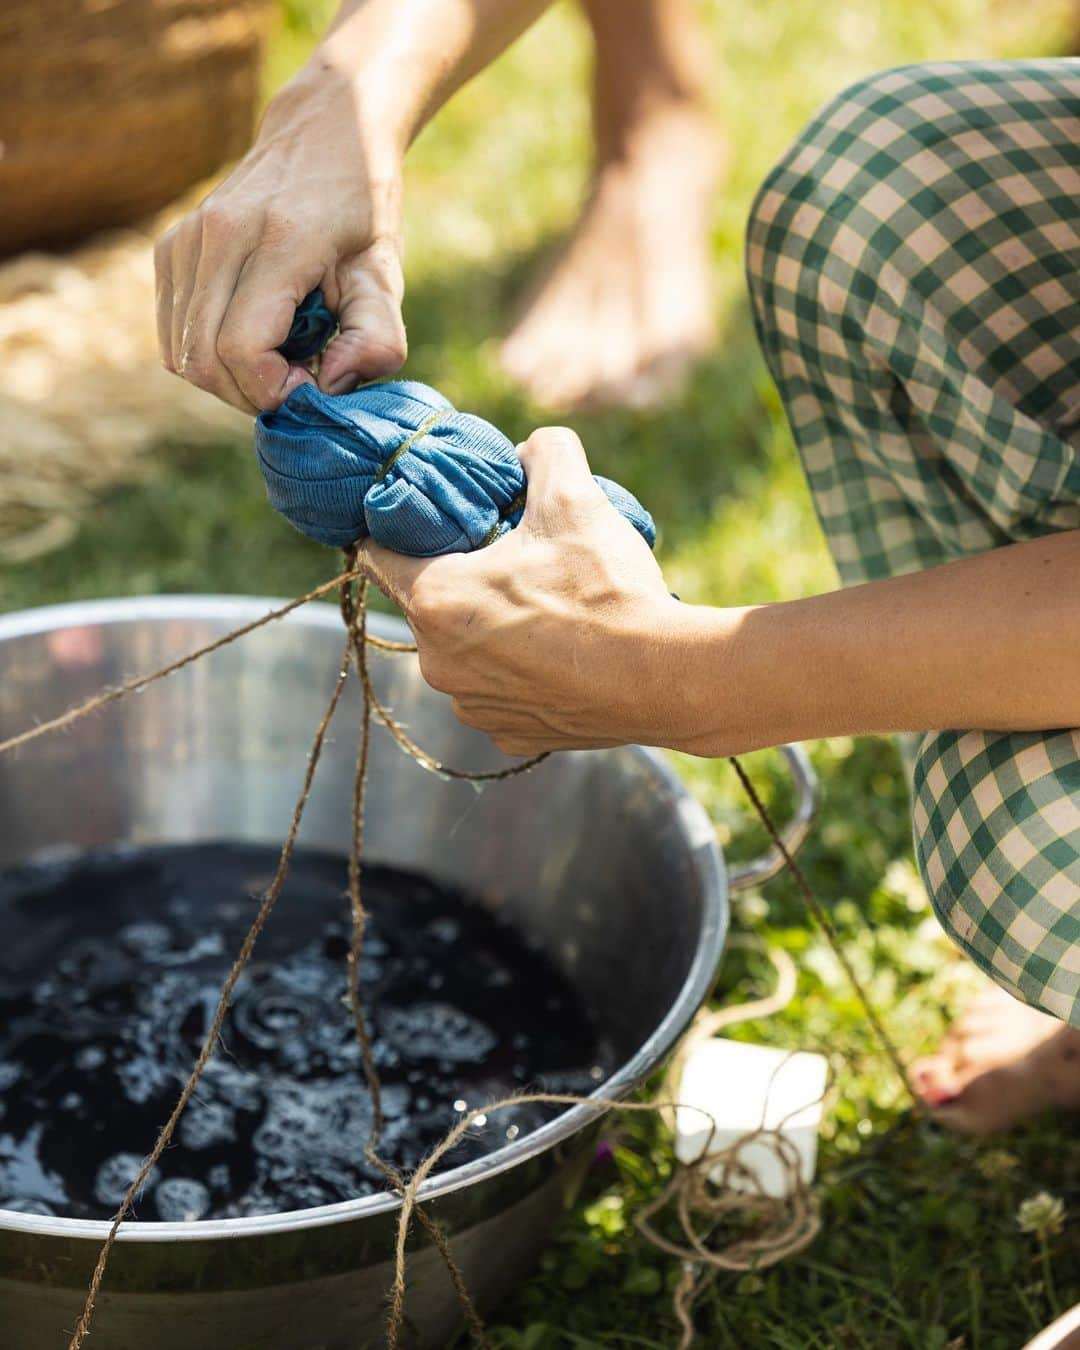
x,y
205,1124
146,938
181,1200
109,977
29,1205
438,1031
115,1175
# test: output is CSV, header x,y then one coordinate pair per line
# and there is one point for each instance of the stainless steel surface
x,y
1063,1334
603,857
760,870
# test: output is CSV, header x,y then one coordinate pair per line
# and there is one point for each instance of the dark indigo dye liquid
x,y
110,969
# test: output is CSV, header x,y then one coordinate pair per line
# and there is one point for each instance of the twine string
x,y
111,694
784,1224
354,615
263,913
821,918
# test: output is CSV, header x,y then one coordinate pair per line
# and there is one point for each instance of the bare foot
x,y
1001,1062
627,309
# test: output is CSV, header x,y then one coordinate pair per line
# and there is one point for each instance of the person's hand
x,y
561,634
314,203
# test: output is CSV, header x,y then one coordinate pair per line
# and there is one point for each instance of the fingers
x,y
199,264
515,731
227,291
561,488
257,320
229,278
163,298
186,250
395,574
202,281
222,313
371,342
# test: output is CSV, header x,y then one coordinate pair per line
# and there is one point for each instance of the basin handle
x,y
762,869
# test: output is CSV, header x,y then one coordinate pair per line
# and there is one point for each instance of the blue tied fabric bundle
x,y
312,327
395,461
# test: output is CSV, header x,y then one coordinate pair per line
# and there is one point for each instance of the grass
x,y
920,1246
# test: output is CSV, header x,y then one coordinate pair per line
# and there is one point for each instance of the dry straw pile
x,y
109,110
83,392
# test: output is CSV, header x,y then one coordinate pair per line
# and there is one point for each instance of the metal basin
x,y
602,857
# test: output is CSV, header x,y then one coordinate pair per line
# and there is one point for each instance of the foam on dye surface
x,y
109,975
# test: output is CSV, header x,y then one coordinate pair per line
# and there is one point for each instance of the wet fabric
x,y
312,328
914,264
398,462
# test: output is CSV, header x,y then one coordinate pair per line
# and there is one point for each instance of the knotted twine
x,y
783,1226
396,461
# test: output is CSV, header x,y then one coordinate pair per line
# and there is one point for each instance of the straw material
x,y
111,108
83,391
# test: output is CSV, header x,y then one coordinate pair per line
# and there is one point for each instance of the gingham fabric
x,y
914,264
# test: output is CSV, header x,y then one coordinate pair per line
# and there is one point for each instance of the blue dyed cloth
x,y
398,462
312,328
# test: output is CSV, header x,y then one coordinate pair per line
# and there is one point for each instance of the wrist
x,y
380,60
335,107
664,678
704,666
742,678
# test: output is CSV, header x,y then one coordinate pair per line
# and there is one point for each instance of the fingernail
x,y
342,385
293,382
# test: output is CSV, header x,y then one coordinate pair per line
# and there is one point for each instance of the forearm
x,y
564,635
316,204
989,642
403,59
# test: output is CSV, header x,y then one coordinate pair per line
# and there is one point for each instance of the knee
x,y
833,203
997,837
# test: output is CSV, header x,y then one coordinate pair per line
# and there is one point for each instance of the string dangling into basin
x,y
788,1226
354,613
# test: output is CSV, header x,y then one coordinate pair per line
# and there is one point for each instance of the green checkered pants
x,y
914,264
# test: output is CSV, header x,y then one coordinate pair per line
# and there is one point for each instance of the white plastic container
x,y
746,1087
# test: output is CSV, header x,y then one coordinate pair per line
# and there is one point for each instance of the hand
x,y
313,203
560,635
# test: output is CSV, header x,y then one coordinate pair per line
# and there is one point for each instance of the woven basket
x,y
110,108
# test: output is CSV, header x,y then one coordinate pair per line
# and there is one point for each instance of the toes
x,y
544,357
557,388
965,1107
522,352
976,1100
986,1104
557,376
1000,1063
981,1017
575,343
935,1080
657,382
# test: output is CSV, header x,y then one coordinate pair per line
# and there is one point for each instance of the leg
x,y
914,263
997,834
627,308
